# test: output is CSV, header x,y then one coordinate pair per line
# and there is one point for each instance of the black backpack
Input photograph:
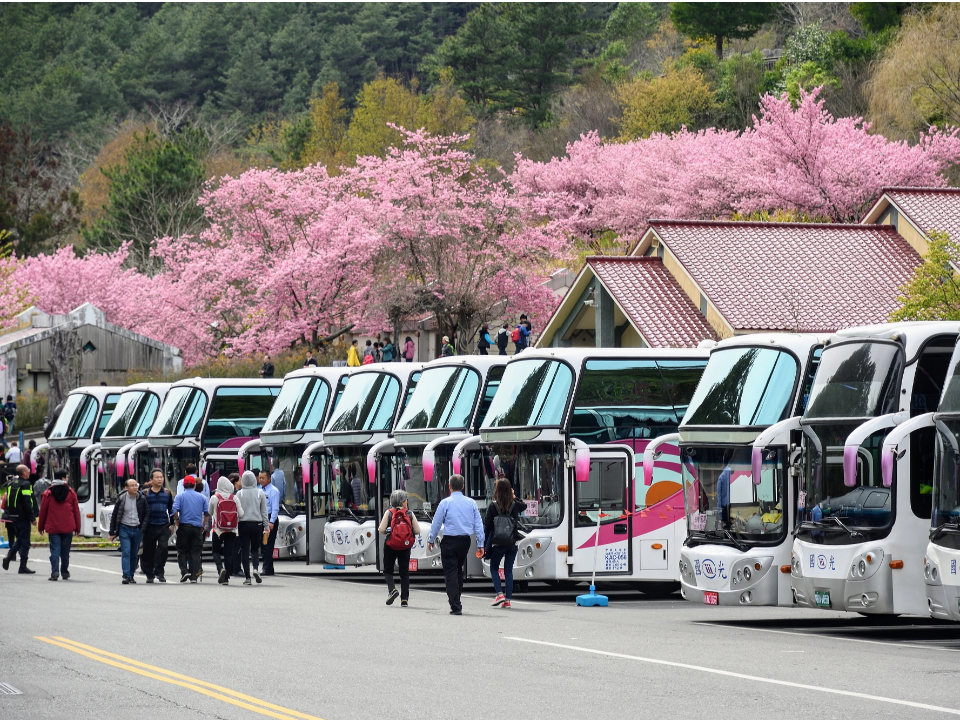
x,y
504,529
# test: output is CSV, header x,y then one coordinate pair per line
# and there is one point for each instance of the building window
x,y
703,305
660,251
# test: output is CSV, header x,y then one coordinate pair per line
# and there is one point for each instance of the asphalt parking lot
x,y
314,644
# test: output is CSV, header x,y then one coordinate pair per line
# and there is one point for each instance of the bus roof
x,y
913,335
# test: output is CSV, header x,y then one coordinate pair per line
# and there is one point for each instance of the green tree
x,y
878,16
679,97
934,291
153,194
721,20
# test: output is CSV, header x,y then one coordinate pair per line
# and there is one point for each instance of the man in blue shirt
x,y
273,509
191,470
189,511
279,481
460,518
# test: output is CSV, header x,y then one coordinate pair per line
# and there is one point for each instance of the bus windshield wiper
x,y
736,543
838,521
951,527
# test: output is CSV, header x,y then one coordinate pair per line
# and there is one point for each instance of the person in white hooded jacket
x,y
253,505
225,538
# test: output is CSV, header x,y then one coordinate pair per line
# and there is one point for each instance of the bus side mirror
x,y
581,462
428,465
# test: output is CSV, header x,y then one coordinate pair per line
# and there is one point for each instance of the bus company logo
x,y
338,537
953,567
713,570
822,562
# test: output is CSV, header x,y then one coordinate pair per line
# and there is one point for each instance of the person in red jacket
x,y
60,519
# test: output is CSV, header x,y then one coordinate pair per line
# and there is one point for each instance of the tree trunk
x,y
65,366
719,47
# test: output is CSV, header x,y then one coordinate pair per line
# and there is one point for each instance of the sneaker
x,y
161,579
193,580
246,581
499,600
223,577
65,575
6,563
125,581
26,571
456,612
394,594
403,603
184,577
133,580
54,577
506,604
256,576
149,581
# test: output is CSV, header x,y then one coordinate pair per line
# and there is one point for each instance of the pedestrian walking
x,y
501,528
60,520
388,350
14,455
459,517
189,514
311,361
446,349
128,522
226,513
401,528
273,512
253,505
198,484
503,339
368,352
408,349
519,337
484,343
267,369
21,510
234,478
378,352
156,538
353,356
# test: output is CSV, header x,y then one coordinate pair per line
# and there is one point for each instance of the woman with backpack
x,y
401,528
502,528
408,349
226,514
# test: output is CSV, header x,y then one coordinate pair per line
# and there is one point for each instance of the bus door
x,y
604,497
318,505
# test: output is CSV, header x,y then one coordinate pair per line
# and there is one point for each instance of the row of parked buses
x,y
769,469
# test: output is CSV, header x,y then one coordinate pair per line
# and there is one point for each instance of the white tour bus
x,y
342,487
566,427
203,421
943,548
75,434
119,455
739,524
447,407
296,421
862,531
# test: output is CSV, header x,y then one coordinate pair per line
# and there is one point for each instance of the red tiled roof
x,y
929,208
653,300
802,277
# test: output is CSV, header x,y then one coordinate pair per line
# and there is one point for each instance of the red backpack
x,y
515,335
401,531
228,518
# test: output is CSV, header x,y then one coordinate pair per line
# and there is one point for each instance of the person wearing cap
x,y
128,522
190,511
446,349
20,512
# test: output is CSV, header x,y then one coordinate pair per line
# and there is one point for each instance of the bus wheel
x,y
659,589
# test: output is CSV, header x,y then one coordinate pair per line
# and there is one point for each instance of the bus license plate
x,y
413,564
276,553
502,575
341,560
711,598
821,598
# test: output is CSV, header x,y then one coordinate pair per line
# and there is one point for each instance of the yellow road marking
x,y
225,694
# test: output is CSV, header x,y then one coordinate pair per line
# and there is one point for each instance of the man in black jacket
x,y
128,522
22,512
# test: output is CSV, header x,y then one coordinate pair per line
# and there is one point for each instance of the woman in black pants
x,y
399,543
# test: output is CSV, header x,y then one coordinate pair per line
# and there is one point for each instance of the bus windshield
x,y
238,412
285,460
444,399
950,402
627,399
720,496
533,393
744,386
946,485
300,406
856,380
368,403
181,413
134,415
109,404
77,417
830,512
349,490
536,471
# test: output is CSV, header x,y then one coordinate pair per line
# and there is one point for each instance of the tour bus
x,y
123,450
566,427
342,488
306,400
863,512
82,421
943,549
203,421
738,504
447,407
